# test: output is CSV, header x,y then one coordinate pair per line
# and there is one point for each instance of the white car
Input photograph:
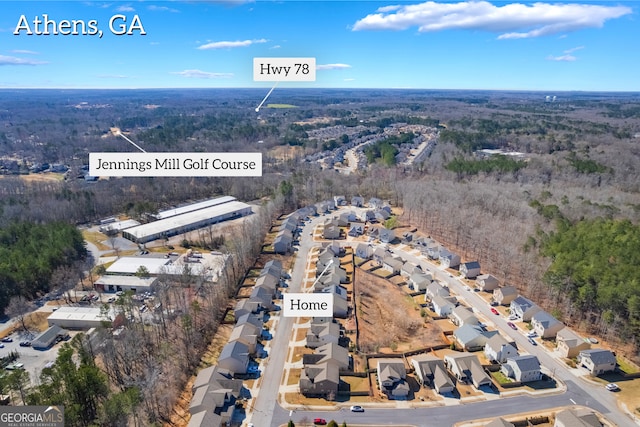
x,y
532,334
612,387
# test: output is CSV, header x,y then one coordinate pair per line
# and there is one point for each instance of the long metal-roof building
x,y
186,222
193,207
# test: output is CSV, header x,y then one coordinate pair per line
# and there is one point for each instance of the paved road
x,y
267,412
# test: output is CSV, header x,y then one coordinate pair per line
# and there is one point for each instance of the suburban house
x,y
392,264
409,268
320,380
431,372
467,368
577,417
449,259
329,353
364,251
356,229
282,242
433,251
505,295
443,306
522,368
472,337
341,220
272,267
357,201
386,236
379,254
340,200
392,378
523,308
597,361
486,282
264,296
323,333
470,270
570,344
375,203
214,397
254,319
436,289
336,290
247,334
462,315
420,281
367,216
340,307
497,349
381,215
331,231
545,324
234,357
269,282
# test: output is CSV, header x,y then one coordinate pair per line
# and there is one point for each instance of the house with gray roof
x,y
448,259
443,306
367,216
320,380
386,236
245,306
331,231
462,315
436,289
577,417
472,337
545,324
323,333
392,264
364,251
486,282
375,203
49,337
522,368
247,334
379,254
251,318
356,229
505,295
381,215
330,353
432,372
467,368
409,268
470,270
433,250
214,396
420,281
340,200
523,308
392,376
264,296
282,242
570,344
498,349
357,201
234,357
597,361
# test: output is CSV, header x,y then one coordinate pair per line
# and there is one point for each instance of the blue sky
x,y
383,44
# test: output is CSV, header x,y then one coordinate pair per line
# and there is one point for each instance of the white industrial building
x,y
193,207
186,222
129,265
116,227
115,283
80,317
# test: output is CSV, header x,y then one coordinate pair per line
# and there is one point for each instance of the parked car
x,y
494,311
532,342
1,345
7,339
25,343
320,421
612,387
357,408
532,334
512,326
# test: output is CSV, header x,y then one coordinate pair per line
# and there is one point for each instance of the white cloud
x,y
573,49
230,44
162,9
349,80
198,74
512,21
275,47
24,52
14,60
332,66
565,58
125,8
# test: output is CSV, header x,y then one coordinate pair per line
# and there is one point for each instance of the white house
x,y
470,270
523,308
597,361
486,282
497,349
545,324
522,368
442,306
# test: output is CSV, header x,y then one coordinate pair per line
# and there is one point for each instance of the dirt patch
x,y
388,317
294,376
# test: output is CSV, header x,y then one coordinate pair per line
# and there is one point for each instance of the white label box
x,y
284,69
175,164
307,305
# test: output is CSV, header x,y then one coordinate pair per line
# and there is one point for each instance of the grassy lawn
x,y
626,366
500,377
359,261
356,383
298,399
294,376
281,106
96,238
381,272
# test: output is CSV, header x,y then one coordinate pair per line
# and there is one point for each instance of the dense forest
x,y
30,253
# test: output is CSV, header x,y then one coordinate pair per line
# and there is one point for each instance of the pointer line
x,y
265,98
133,143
